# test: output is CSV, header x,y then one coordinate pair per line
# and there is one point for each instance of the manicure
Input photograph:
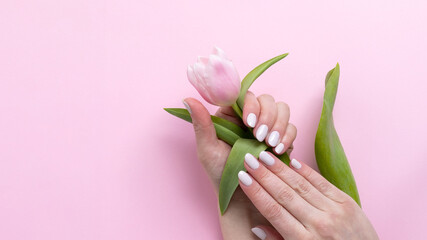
x,y
266,158
186,106
251,161
251,119
279,148
259,233
261,133
295,163
245,178
273,139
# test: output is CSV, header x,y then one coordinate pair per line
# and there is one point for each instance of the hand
x,y
300,203
213,152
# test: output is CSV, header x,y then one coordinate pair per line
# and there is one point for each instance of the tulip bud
x,y
215,78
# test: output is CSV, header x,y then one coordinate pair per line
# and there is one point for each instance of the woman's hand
x,y
300,203
270,122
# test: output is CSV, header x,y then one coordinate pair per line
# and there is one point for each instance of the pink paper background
x,y
87,152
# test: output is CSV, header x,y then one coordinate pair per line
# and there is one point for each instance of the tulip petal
x,y
203,60
221,81
200,71
198,84
219,52
190,74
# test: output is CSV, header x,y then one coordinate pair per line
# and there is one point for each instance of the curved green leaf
x,y
253,75
330,156
284,158
234,164
227,131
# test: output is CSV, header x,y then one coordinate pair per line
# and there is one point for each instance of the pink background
x,y
87,152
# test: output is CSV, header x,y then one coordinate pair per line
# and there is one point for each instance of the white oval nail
x,y
251,119
279,149
261,133
245,178
295,163
187,106
266,158
273,139
259,233
251,161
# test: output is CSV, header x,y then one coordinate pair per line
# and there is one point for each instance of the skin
x,y
334,216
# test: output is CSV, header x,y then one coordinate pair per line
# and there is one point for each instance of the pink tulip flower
x,y
215,78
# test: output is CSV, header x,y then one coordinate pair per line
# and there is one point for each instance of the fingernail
x,y
295,163
266,158
251,119
259,233
279,149
186,106
245,178
251,161
261,133
273,139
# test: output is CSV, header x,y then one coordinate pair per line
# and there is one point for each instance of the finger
x,y
251,110
266,233
280,190
268,113
202,123
279,128
224,113
297,182
286,224
228,111
319,182
287,140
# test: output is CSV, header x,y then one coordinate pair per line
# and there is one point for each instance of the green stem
x,y
237,110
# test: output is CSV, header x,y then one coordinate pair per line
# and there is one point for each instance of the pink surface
x,y
87,152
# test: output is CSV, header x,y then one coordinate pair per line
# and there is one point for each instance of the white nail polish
x,y
266,158
259,233
245,178
273,139
261,133
279,149
251,161
187,106
295,163
251,119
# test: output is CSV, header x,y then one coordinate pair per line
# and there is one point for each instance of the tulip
x,y
215,78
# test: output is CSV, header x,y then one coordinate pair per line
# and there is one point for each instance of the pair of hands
x,y
275,201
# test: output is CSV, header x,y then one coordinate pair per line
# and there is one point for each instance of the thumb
x,y
202,123
266,233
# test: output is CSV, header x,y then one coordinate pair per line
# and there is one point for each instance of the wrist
x,y
240,217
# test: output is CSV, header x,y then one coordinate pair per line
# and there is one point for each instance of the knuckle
x,y
263,176
280,169
257,193
324,186
249,93
285,195
324,227
267,97
199,128
349,207
273,211
302,187
284,106
292,128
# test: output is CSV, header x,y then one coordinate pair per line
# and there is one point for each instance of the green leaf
x,y
284,158
234,164
253,75
330,156
227,131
